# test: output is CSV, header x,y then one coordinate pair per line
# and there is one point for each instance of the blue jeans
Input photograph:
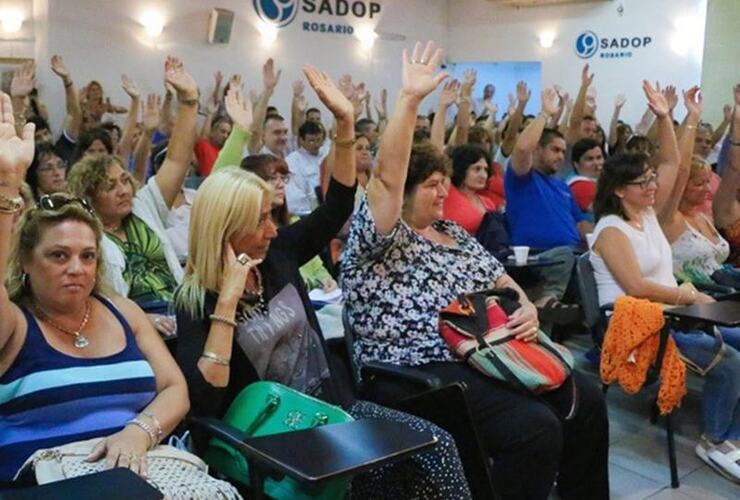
x,y
721,396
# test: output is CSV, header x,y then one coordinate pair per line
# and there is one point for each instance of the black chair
x,y
424,395
313,456
595,318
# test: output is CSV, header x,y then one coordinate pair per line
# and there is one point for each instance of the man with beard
x,y
541,211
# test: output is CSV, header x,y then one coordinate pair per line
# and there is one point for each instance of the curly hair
x,y
425,160
87,177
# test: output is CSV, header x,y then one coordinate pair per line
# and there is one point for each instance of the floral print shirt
x,y
394,285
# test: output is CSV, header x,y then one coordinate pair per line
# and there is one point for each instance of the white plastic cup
x,y
521,253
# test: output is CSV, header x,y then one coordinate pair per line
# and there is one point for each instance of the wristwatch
x,y
10,205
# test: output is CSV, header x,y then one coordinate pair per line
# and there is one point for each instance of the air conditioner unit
x,y
541,3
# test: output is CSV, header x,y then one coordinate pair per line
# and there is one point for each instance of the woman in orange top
x,y
470,173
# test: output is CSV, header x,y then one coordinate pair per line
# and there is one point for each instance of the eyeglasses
x,y
52,165
645,182
284,178
52,202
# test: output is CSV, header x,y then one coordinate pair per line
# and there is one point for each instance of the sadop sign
x,y
280,13
588,44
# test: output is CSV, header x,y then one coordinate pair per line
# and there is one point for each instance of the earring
x,y
25,284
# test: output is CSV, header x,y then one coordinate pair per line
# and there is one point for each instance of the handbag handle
x,y
271,404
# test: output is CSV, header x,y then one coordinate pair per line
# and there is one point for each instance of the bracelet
x,y
157,424
146,428
10,205
188,102
346,143
68,84
215,358
690,127
222,319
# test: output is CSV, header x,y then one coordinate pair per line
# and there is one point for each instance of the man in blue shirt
x,y
541,211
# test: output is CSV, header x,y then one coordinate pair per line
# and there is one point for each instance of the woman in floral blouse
x,y
403,264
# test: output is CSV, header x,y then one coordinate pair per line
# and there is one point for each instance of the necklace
x,y
252,303
80,340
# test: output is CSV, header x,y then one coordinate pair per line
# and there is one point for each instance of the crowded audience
x,y
149,258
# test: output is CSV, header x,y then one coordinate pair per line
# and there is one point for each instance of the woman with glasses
x,y
631,256
142,263
74,364
48,171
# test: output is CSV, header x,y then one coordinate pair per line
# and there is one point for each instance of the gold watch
x,y
10,205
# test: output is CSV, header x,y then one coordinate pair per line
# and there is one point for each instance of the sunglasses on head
x,y
50,202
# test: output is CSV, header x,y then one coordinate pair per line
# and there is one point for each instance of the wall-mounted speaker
x,y
220,25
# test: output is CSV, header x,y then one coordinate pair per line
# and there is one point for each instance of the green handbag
x,y
265,408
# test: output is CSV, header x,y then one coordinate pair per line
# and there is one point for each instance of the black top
x,y
294,245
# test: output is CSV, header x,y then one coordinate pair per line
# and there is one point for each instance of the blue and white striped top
x,y
48,398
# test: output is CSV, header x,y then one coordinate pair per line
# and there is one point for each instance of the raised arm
x,y
23,82
725,206
298,108
382,111
385,189
615,121
126,144
687,133
172,174
73,120
515,118
462,123
239,110
522,157
719,132
667,158
15,157
270,80
447,98
150,121
579,106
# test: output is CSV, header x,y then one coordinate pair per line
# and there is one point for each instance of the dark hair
x,y
313,110
617,172
425,160
310,128
41,151
589,118
272,110
219,120
582,146
273,116
478,135
548,135
92,135
266,166
639,144
421,135
40,123
110,127
463,157
362,124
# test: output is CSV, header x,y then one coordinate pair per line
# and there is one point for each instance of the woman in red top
x,y
588,159
470,172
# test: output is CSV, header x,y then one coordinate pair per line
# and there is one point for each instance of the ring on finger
x,y
242,259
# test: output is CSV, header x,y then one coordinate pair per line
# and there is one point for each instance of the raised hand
x,y
15,153
269,77
382,110
150,112
59,68
298,88
212,105
419,78
671,96
129,86
469,78
586,79
657,102
522,93
620,100
235,80
449,94
239,109
218,78
24,80
235,273
550,101
512,105
693,100
727,112
329,94
345,86
175,75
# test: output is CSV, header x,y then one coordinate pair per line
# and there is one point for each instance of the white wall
x,y
483,31
101,39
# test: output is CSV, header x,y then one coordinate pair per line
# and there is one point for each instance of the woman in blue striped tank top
x,y
74,365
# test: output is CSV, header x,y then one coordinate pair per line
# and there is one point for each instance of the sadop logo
x,y
586,44
276,12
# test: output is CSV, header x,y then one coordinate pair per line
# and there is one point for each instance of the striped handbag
x,y
474,328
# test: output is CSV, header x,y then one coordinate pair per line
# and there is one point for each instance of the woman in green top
x,y
140,261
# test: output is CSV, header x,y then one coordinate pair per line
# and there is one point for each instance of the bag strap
x,y
480,308
552,350
271,404
507,373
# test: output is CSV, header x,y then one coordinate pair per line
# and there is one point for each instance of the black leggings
x,y
530,442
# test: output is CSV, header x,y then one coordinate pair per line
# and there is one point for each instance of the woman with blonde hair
x,y
74,364
243,312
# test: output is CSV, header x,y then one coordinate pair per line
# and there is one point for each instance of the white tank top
x,y
696,256
651,249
